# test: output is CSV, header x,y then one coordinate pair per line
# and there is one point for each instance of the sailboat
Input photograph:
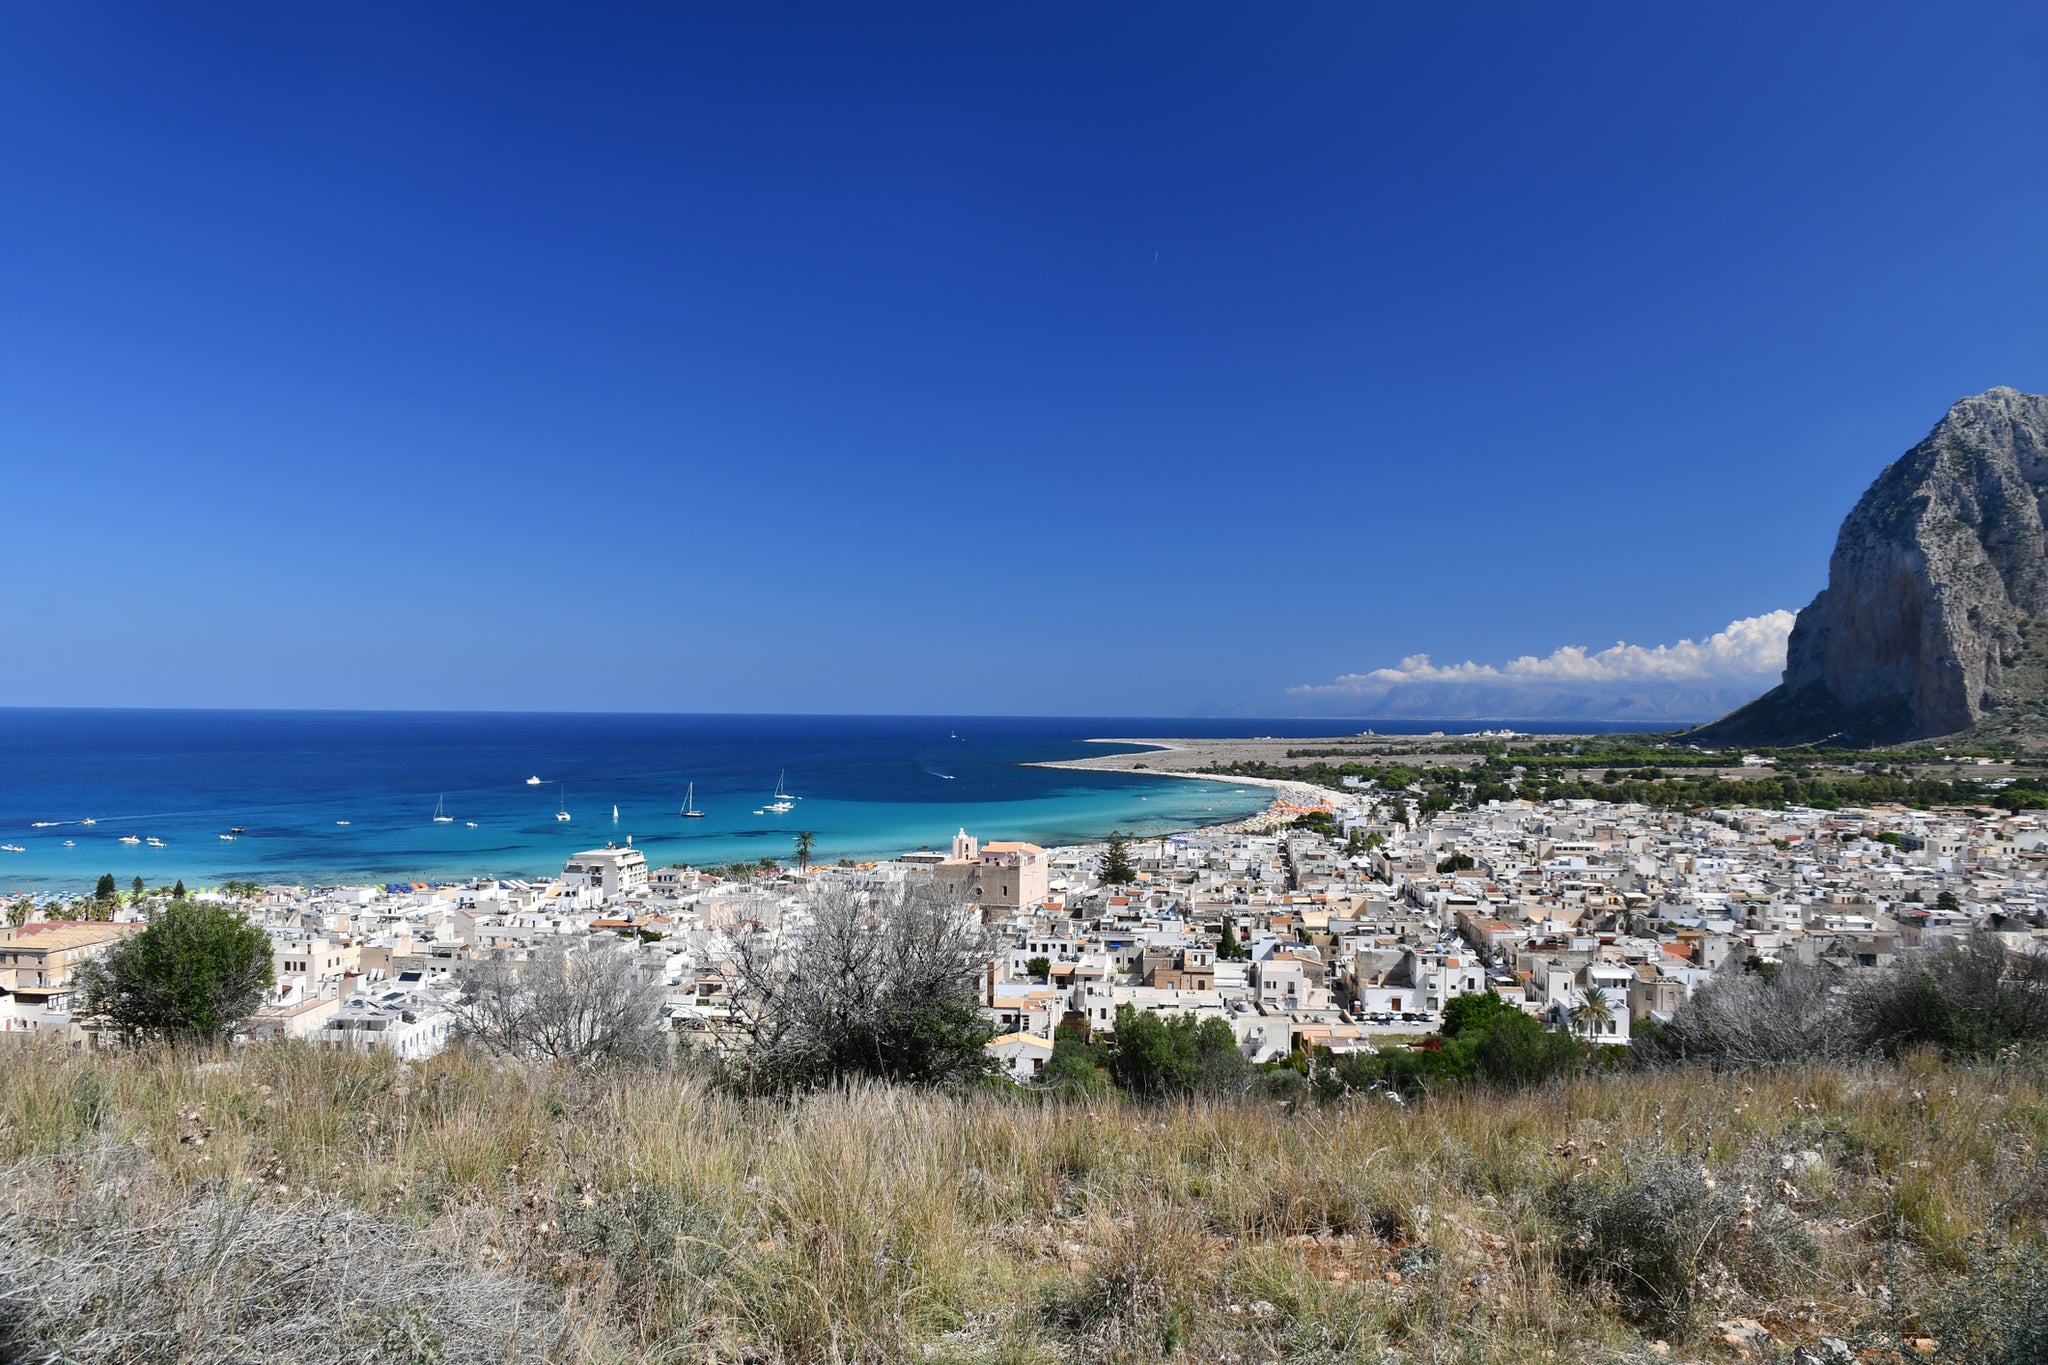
x,y
690,811
615,812
782,802
563,813
441,815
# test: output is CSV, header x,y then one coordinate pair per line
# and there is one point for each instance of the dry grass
x,y
664,1220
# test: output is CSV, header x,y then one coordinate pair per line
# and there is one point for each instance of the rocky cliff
x,y
1926,626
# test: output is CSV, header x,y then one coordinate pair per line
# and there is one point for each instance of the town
x,y
1335,921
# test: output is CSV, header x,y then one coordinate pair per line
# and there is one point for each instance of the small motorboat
x,y
131,838
154,842
237,829
229,837
12,848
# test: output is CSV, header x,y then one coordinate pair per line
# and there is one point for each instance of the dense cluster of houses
x,y
1588,915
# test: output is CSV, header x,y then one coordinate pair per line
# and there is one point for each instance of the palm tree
x,y
1592,1013
804,843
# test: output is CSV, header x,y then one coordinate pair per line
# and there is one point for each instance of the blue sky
x,y
962,358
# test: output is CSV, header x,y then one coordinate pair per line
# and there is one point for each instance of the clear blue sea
x,y
869,786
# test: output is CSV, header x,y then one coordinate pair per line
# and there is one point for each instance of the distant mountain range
x,y
1934,621
1654,707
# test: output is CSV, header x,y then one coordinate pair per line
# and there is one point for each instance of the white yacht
x,y
343,822
88,822
470,823
131,838
228,837
441,815
71,843
154,842
690,811
563,813
533,781
12,848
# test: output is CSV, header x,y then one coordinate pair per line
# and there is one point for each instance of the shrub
x,y
1969,999
1667,1236
1999,1316
105,1263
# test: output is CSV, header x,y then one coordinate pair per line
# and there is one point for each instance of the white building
x,y
1021,1056
610,872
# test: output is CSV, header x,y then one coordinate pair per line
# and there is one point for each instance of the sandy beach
x,y
1181,757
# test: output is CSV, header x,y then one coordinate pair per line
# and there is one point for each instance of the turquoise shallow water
x,y
867,787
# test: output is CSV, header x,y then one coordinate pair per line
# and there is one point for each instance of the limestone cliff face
x,y
1934,574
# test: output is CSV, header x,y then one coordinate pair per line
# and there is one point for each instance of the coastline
x,y
1290,798
349,805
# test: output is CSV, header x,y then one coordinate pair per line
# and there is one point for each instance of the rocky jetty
x,y
1927,626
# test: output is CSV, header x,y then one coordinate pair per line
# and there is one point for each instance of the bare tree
x,y
1755,1018
880,985
588,1004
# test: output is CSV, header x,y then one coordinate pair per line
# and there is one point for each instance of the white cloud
x,y
1749,650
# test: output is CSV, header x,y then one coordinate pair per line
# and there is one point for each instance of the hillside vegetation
x,y
280,1202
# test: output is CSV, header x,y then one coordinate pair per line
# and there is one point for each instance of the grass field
x,y
283,1203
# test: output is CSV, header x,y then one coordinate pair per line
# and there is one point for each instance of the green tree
x,y
1228,948
1075,1067
178,891
193,974
1516,1051
1948,900
1116,862
107,890
1039,967
18,912
135,891
1153,1058
805,842
1474,1013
